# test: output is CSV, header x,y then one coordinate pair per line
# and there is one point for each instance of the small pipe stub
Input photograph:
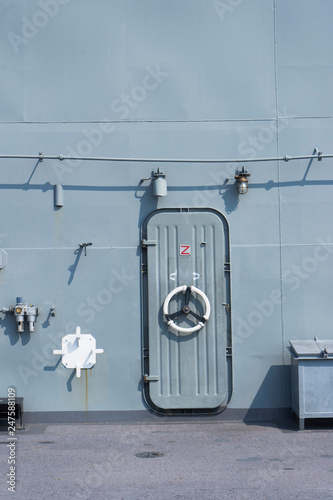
x,y
85,245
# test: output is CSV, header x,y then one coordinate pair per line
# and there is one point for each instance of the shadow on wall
x,y
148,202
230,197
8,323
72,268
271,405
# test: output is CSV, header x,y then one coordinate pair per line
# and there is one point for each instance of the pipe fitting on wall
x,y
21,311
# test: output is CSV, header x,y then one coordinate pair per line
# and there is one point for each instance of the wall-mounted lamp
x,y
58,195
160,185
242,181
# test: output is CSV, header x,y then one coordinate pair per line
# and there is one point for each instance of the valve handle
x,y
187,290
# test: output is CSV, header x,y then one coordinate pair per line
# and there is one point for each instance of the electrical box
x,y
312,379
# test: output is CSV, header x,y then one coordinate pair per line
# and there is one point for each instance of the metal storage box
x,y
312,379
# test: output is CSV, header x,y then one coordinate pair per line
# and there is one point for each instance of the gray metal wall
x,y
167,79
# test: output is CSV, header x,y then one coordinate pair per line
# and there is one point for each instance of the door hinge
x,y
148,243
227,267
151,378
144,269
227,307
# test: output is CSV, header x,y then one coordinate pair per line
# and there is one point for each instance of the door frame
x,y
144,313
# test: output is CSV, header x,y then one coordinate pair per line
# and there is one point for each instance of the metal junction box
x,y
312,379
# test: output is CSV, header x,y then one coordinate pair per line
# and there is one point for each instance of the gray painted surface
x,y
161,79
222,460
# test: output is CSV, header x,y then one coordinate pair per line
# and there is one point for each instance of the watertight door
x,y
187,369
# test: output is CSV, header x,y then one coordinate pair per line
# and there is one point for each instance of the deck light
x,y
160,186
159,183
242,181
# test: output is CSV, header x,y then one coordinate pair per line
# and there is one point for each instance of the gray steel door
x,y
186,370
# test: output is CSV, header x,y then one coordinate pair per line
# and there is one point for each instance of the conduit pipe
x,y
317,155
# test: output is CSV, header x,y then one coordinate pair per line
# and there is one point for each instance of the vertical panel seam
x,y
279,202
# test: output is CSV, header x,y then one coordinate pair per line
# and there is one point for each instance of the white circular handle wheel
x,y
186,309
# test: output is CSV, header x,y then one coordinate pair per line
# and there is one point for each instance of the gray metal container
x,y
312,379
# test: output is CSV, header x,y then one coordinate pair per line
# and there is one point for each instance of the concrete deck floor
x,y
194,460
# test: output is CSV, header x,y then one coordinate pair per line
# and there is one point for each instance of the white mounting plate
x,y
78,351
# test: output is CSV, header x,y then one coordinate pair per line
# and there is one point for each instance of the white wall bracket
x,y
78,351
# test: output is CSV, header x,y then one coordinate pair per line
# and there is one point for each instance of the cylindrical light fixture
x,y
160,185
242,181
58,195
